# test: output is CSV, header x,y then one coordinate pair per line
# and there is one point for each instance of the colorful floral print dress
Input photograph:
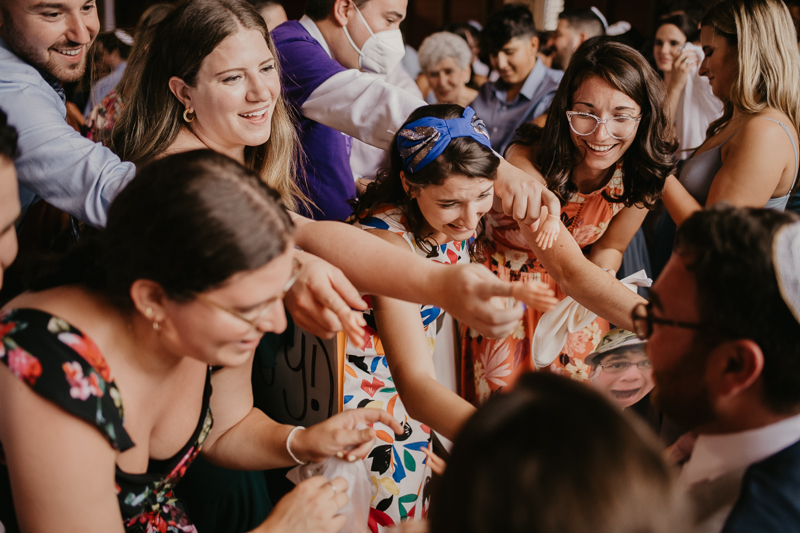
x,y
64,366
490,365
397,465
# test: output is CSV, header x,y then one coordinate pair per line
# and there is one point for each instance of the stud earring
x,y
157,326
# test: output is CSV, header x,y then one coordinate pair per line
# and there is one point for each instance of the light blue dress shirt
x,y
55,162
502,118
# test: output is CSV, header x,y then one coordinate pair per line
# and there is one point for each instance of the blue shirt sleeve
x,y
56,163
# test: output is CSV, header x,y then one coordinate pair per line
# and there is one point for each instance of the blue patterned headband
x,y
425,139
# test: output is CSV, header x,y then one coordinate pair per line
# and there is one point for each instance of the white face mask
x,y
382,52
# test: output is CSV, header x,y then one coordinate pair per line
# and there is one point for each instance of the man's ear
x,y
341,10
733,367
535,44
179,88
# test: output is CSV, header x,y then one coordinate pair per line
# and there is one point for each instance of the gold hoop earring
x,y
186,116
157,326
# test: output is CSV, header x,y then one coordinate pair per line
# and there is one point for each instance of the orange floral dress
x,y
490,365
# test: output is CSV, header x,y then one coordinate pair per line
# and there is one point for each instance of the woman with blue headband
x,y
429,202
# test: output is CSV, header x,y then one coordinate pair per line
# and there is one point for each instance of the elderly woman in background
x,y
445,61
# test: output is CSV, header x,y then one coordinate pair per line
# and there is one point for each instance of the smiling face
x,y
9,212
628,386
720,64
447,79
215,336
515,61
453,209
53,37
599,150
235,93
669,42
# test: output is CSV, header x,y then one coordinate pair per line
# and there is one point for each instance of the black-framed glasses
x,y
620,127
643,321
623,366
254,317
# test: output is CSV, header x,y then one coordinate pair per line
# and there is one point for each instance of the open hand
x,y
322,298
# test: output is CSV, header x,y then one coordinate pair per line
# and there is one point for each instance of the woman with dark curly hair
x,y
605,151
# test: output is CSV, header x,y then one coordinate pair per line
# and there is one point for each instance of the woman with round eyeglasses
x,y
605,151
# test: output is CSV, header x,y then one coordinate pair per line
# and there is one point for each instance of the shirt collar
x,y
50,80
313,30
528,87
715,455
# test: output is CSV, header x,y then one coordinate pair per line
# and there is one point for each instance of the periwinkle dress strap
x,y
794,147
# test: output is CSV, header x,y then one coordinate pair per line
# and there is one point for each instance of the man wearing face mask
x,y
327,60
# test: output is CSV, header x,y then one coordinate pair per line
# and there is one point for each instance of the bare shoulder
x,y
84,310
390,237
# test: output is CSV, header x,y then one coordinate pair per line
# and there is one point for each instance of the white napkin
x,y
568,316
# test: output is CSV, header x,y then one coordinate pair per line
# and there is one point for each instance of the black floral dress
x,y
64,366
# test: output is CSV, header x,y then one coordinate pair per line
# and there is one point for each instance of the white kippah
x,y
600,16
786,257
124,36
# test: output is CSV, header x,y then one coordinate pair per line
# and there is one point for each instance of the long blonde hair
x,y
152,117
768,58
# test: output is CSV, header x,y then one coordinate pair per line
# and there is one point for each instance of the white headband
x,y
786,257
600,16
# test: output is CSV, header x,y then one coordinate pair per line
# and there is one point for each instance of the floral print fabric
x,y
397,465
64,366
490,365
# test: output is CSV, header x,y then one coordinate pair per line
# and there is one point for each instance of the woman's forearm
x,y
256,443
679,203
588,284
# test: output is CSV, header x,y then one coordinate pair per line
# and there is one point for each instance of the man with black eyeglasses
x,y
723,328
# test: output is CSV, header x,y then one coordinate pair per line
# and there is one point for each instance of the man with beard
x,y
574,27
724,342
42,45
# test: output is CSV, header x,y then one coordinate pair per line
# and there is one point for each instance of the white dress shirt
x,y
358,103
716,457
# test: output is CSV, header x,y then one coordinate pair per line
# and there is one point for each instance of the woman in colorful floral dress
x,y
108,366
605,151
429,202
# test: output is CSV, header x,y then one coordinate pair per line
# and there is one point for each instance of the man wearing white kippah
x,y
724,342
574,27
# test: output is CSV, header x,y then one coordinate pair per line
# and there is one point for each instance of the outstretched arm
x,y
379,268
588,284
